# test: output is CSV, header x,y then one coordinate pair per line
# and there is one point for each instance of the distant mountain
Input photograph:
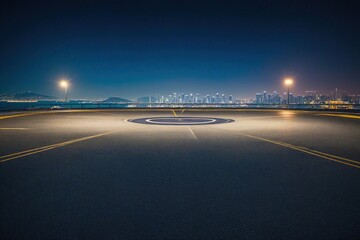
x,y
116,100
32,96
5,95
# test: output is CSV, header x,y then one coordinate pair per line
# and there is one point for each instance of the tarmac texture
x,y
93,174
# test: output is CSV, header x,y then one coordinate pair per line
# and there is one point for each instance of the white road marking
x,y
204,121
192,133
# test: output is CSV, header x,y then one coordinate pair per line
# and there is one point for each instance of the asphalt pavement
x,y
93,174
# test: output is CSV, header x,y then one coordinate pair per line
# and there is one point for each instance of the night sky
x,y
135,48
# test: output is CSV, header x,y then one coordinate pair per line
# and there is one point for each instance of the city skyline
x,y
55,90
263,97
65,84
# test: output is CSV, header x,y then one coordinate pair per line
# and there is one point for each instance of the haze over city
x,y
139,48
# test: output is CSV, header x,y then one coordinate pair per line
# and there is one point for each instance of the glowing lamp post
x,y
288,82
64,84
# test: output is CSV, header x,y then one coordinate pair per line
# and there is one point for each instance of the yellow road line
x,y
326,156
32,114
30,150
48,147
183,110
333,156
50,112
340,115
27,154
19,115
14,128
56,144
191,131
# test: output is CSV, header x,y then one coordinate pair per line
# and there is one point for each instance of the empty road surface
x,y
255,174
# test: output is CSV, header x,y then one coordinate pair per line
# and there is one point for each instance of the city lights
x,y
64,84
288,83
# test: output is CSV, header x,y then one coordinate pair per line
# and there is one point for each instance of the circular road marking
x,y
180,120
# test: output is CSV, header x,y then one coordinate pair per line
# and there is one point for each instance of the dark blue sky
x,y
135,48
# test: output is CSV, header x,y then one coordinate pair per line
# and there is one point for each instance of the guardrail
x,y
101,105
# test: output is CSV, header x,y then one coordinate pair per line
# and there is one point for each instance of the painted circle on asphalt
x,y
180,120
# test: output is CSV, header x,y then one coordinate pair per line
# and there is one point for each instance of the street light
x,y
288,82
64,84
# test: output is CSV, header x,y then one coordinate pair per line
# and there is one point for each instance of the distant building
x,y
259,98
